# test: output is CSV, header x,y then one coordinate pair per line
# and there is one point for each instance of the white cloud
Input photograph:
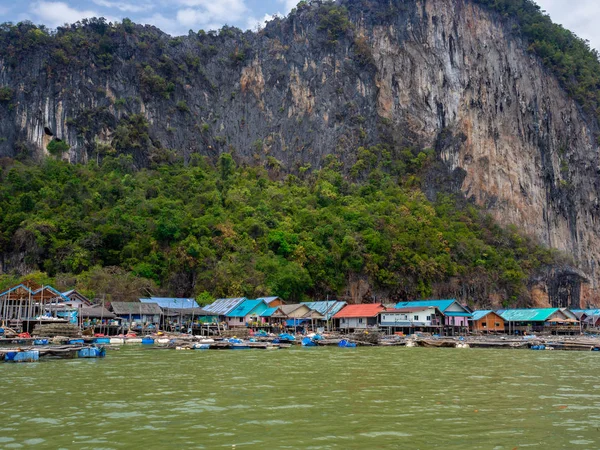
x,y
207,11
289,4
580,17
54,14
169,26
253,23
126,7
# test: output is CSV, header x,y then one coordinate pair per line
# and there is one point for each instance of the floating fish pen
x,y
48,352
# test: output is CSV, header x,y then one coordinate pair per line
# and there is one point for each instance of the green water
x,y
319,398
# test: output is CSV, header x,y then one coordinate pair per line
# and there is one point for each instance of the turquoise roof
x,y
268,312
480,314
527,315
442,305
247,307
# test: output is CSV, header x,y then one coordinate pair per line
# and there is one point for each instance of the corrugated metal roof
x,y
247,307
527,315
198,312
589,312
96,311
222,306
442,305
328,308
135,308
173,303
479,314
364,310
268,312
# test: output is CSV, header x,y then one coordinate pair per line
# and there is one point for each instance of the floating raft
x,y
60,351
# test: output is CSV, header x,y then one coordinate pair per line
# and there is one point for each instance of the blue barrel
x,y
102,340
28,356
91,352
343,343
147,341
40,342
75,341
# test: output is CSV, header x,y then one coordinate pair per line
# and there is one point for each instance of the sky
x,y
177,17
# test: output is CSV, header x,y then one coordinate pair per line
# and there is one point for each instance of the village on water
x,y
39,321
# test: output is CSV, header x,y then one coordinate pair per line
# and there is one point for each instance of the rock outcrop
x,y
444,74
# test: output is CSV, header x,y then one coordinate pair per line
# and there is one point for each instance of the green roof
x,y
527,315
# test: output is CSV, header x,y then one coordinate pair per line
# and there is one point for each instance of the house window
x,y
241,320
428,318
416,317
343,320
483,325
497,324
360,320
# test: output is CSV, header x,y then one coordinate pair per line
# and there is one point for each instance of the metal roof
x,y
269,312
247,307
96,311
480,314
222,306
172,303
527,315
328,308
198,312
408,310
442,305
588,312
133,308
267,300
364,310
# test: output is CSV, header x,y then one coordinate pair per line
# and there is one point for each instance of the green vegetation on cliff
x,y
230,230
569,57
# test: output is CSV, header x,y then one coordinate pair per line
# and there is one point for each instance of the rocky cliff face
x,y
445,74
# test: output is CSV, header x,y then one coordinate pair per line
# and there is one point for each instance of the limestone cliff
x,y
445,74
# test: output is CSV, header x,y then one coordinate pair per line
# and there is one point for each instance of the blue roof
x,y
222,306
269,312
247,307
481,313
172,303
328,308
442,305
14,288
588,312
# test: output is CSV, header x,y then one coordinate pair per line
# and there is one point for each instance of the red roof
x,y
366,310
